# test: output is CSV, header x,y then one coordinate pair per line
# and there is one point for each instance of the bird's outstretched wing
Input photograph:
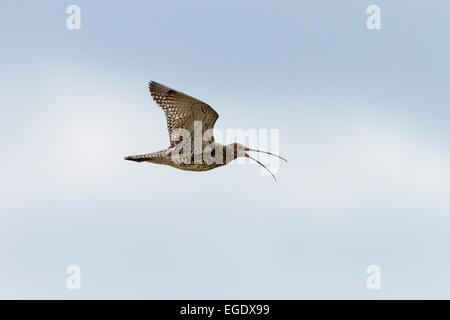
x,y
182,111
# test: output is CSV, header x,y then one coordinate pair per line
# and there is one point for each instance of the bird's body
x,y
175,160
190,119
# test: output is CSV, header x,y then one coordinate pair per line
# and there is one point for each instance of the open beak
x,y
248,149
247,156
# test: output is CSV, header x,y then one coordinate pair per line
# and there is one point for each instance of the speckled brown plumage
x,y
185,112
182,110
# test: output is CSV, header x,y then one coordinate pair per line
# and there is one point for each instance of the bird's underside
x,y
183,162
189,119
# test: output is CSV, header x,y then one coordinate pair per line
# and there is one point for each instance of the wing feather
x,y
182,111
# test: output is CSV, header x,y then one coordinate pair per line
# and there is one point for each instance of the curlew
x,y
188,117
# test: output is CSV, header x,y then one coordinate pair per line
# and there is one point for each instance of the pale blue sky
x,y
363,119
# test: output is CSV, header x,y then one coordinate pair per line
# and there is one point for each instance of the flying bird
x,y
187,117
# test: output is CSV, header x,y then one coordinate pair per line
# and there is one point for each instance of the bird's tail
x,y
139,157
155,157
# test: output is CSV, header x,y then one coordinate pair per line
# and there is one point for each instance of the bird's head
x,y
239,150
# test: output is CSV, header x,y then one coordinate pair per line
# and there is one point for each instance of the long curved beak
x,y
248,149
247,156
